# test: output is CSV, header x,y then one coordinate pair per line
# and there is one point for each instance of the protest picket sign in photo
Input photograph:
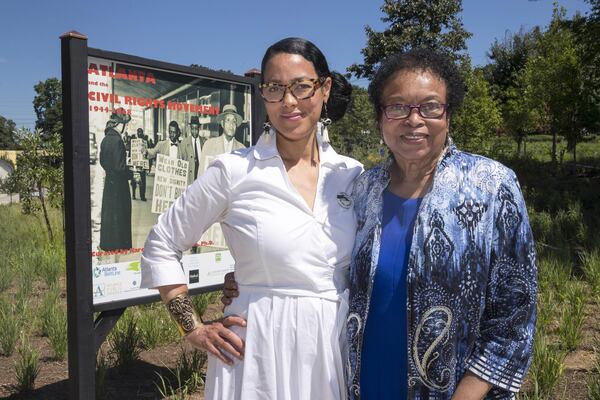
x,y
137,154
170,180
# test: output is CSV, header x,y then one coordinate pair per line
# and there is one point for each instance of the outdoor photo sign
x,y
155,130
137,133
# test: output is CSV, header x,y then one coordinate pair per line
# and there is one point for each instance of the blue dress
x,y
384,359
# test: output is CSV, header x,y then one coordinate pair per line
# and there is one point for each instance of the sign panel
x,y
152,132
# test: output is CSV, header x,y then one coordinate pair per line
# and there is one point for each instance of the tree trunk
x,y
554,146
46,218
575,153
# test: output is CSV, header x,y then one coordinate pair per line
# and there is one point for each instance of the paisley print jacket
x,y
472,278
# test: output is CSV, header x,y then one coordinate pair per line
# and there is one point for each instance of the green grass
x,y
201,301
540,148
48,309
10,326
573,316
125,342
547,367
593,381
51,264
155,325
57,332
8,272
27,367
590,262
186,377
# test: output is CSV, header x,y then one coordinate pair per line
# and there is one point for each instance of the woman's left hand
x,y
230,289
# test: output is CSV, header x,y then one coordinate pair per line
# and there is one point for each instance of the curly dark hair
x,y
341,90
420,59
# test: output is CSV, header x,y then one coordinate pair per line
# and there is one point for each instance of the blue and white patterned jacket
x,y
472,278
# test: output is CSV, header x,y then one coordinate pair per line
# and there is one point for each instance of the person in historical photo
x,y
229,119
115,225
190,149
140,171
169,148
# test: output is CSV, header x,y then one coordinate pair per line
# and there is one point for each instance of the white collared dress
x,y
291,264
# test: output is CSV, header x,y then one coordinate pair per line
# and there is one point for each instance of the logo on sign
x,y
99,291
194,276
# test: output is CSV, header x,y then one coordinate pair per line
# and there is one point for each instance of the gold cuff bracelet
x,y
183,313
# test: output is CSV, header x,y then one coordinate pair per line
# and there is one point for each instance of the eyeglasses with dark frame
x,y
426,110
302,89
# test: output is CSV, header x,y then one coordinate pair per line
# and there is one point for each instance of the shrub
x,y
27,367
546,368
202,301
8,272
48,309
541,225
57,332
51,264
10,325
590,265
155,326
553,272
186,374
569,226
125,342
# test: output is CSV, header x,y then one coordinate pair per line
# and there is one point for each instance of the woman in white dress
x,y
286,213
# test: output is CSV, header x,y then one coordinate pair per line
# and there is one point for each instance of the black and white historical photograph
x,y
152,133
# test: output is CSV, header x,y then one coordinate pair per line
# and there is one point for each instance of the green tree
x,y
356,134
39,173
7,134
478,119
587,32
520,116
47,105
412,24
554,81
508,58
9,185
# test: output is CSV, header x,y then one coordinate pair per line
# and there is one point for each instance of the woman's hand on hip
x,y
216,338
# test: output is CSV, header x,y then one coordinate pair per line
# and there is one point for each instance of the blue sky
x,y
230,35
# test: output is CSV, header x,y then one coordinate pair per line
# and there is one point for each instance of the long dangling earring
x,y
447,141
325,121
267,130
381,148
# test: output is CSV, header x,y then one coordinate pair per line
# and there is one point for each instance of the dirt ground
x,y
139,381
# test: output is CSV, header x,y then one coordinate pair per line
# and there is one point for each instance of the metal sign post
x,y
80,311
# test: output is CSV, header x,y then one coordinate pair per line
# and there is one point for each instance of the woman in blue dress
x,y
443,277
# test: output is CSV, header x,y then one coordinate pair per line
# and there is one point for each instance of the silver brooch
x,y
344,200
